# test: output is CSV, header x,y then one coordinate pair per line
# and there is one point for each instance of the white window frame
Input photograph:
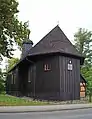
x,y
47,67
70,66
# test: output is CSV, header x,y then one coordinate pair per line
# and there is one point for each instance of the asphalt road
x,y
72,114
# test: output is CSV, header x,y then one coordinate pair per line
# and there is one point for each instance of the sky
x,y
44,15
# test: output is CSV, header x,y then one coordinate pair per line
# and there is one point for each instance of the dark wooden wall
x,y
69,79
17,81
31,80
58,83
8,84
23,79
47,82
12,86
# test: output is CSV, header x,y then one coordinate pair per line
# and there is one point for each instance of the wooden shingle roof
x,y
54,41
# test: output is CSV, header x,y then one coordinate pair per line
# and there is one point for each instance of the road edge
x,y
26,109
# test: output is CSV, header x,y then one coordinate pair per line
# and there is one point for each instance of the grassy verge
x,y
6,100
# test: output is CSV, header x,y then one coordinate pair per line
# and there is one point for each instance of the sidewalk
x,y
21,109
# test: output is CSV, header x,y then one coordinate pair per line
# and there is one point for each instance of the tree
x,y
83,43
12,62
11,29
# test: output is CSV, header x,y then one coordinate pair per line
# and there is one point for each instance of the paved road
x,y
72,114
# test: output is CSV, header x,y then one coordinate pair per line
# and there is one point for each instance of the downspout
x,y
34,76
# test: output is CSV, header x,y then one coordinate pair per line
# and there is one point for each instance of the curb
x,y
23,109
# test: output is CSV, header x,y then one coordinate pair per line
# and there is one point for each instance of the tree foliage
x,y
11,29
83,43
12,62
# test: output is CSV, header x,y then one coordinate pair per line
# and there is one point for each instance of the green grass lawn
x,y
6,100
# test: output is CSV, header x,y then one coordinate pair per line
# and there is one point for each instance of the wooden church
x,y
50,70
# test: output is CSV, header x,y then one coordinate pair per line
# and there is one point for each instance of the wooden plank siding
x,y
23,79
12,84
70,80
8,84
31,80
48,82
58,83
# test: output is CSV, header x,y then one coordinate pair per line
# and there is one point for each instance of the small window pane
x,y
12,79
82,88
69,66
29,74
47,67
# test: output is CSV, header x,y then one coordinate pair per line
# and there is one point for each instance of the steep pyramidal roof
x,y
54,41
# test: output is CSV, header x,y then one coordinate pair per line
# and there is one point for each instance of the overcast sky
x,y
43,15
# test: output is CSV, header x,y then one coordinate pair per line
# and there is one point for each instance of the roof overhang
x,y
83,79
51,53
